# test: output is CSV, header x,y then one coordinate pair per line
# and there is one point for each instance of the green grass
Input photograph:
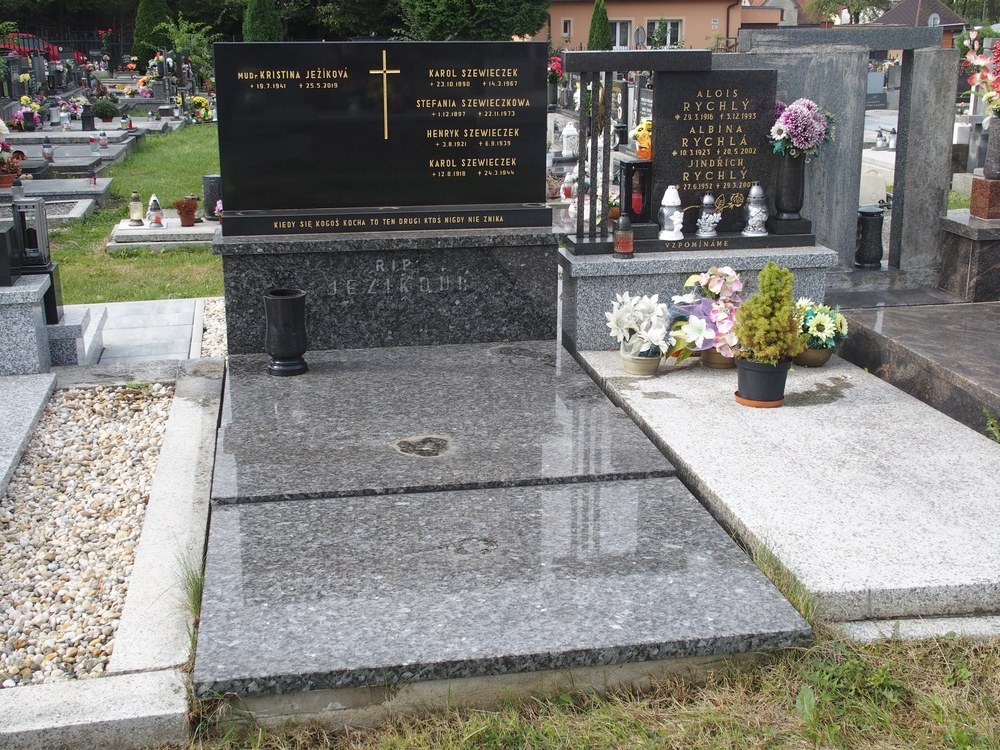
x,y
170,166
935,693
957,200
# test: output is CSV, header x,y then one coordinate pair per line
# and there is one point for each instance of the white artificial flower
x,y
696,331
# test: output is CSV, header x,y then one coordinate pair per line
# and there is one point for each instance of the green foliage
x,y
349,18
860,10
473,20
261,22
194,41
147,38
105,109
600,28
992,426
767,327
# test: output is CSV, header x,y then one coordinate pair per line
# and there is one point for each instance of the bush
x,y
105,109
767,327
600,28
147,38
261,22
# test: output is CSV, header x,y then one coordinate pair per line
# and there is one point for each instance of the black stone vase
x,y
789,193
285,337
991,167
553,93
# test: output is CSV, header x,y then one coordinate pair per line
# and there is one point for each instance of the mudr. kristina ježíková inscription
x,y
378,136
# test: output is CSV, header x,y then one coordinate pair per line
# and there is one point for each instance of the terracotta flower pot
x,y
187,220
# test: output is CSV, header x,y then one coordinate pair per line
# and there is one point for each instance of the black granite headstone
x,y
710,134
341,137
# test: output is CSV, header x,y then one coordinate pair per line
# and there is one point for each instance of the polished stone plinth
x,y
944,355
394,289
591,282
506,414
454,513
970,257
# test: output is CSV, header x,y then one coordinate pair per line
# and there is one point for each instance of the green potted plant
x,y
769,334
105,109
824,327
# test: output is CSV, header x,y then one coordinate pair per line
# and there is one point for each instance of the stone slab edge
x,y
866,631
156,622
116,712
17,436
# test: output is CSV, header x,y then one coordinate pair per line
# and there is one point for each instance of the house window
x,y
661,33
567,28
933,20
620,31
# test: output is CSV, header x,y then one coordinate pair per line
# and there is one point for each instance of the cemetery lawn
x,y
835,693
171,166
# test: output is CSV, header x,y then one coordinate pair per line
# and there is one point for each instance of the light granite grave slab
x,y
848,483
22,401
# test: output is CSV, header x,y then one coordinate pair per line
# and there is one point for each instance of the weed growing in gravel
x,y
992,426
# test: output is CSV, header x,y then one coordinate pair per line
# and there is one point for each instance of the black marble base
x,y
426,218
395,289
723,241
788,226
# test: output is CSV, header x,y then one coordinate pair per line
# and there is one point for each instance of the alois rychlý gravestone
x,y
400,184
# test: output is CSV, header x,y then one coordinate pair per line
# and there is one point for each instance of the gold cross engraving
x,y
385,95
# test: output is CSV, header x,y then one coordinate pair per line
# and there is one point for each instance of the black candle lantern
x,y
87,118
636,186
32,230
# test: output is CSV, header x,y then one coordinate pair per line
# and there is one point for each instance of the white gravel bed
x,y
213,337
69,524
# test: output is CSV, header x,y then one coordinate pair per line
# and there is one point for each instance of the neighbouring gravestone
x,y
366,173
381,136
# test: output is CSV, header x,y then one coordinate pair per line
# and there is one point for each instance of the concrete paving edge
x,y
143,701
156,622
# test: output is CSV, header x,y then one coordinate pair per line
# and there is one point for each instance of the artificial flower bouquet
x,y
825,326
704,317
9,164
555,70
639,324
800,128
984,82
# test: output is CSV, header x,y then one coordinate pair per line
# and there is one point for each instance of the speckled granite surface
x,y
509,414
24,338
590,282
390,290
377,590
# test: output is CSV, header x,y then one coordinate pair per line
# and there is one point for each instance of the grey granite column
x,y
923,160
835,78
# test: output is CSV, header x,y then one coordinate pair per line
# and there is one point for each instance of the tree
x,y
148,38
262,22
867,10
473,20
193,41
349,18
600,28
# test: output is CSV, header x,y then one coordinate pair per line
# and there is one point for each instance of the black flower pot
x,y
285,338
761,385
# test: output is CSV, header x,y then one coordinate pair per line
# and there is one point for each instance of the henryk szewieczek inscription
x,y
381,136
